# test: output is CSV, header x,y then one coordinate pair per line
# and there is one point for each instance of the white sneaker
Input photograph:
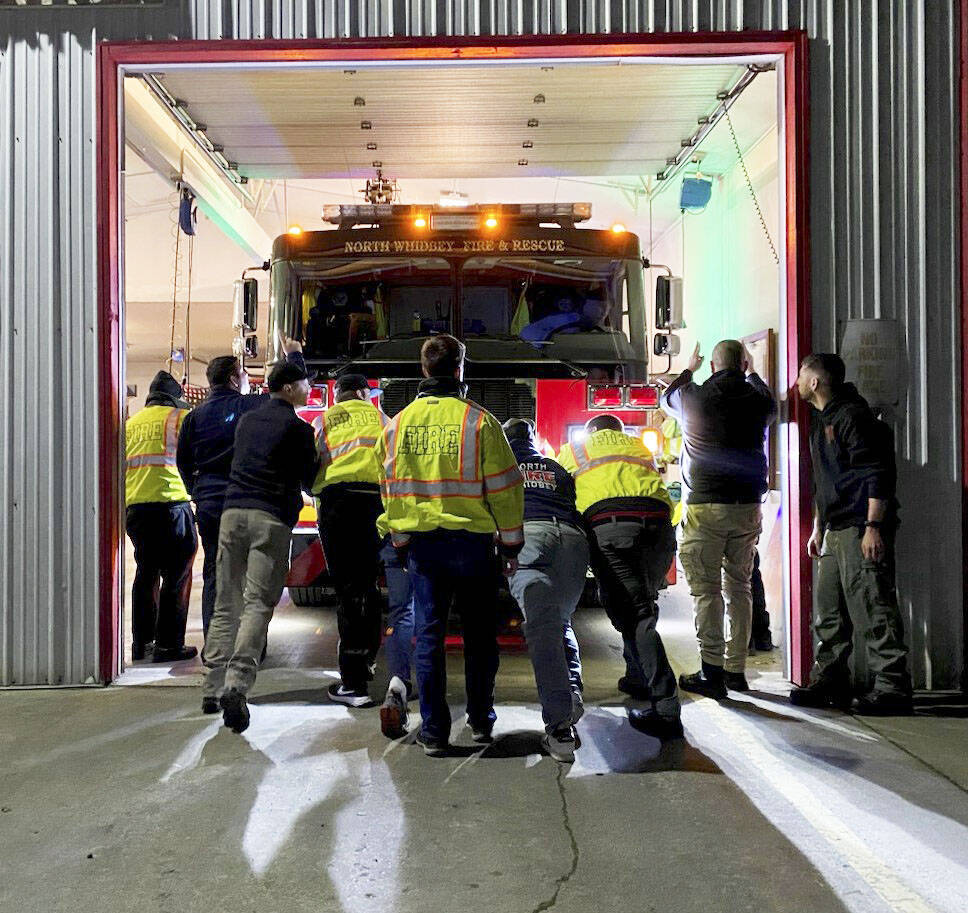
x,y
342,695
560,744
393,713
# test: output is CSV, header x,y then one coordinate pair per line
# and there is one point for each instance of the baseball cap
x,y
347,383
285,373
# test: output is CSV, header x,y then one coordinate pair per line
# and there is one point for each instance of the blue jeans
x,y
445,564
547,586
398,634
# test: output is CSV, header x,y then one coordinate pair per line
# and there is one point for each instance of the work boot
x,y
351,697
736,681
210,705
651,722
634,689
560,744
433,748
821,695
173,654
393,713
235,711
762,643
140,651
884,703
709,682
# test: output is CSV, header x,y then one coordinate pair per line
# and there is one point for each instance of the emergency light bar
x,y
471,217
623,396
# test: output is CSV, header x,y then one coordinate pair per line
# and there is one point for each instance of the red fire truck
x,y
552,314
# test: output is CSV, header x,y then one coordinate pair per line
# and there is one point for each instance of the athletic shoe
x,y
560,744
736,681
652,723
884,703
210,705
393,713
433,748
173,654
340,694
235,711
482,734
140,651
821,695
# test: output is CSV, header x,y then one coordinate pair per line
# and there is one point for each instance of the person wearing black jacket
x,y
547,585
855,521
206,443
274,461
724,468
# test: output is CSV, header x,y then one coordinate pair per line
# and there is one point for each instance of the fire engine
x,y
552,314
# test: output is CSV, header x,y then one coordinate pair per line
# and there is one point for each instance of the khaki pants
x,y
851,587
253,559
717,543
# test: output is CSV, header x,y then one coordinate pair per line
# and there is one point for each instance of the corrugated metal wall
x,y
884,225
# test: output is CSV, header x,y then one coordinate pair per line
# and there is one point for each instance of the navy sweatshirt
x,y
549,491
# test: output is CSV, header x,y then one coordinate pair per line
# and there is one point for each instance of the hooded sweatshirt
x,y
853,460
549,490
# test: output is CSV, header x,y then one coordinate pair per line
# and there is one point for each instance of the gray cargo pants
x,y
849,586
547,586
253,559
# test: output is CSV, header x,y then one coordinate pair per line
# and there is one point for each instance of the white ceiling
x,y
457,121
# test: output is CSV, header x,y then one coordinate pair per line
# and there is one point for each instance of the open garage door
x,y
269,138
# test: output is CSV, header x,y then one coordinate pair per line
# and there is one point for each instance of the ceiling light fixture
x,y
294,230
359,101
371,147
533,122
539,99
527,144
522,161
376,164
366,125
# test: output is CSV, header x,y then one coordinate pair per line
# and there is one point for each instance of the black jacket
x,y
853,460
206,441
724,424
275,458
549,490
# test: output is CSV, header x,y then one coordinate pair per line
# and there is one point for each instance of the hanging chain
x,y
749,184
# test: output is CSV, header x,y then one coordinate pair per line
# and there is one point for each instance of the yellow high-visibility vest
x,y
447,464
151,440
345,437
610,464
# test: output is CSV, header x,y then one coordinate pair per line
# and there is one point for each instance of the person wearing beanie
x,y
160,524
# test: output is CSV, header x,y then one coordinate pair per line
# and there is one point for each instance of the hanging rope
x,y
749,184
188,313
174,298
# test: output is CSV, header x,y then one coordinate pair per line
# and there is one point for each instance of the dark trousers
x,y
351,544
208,513
164,540
761,618
444,565
630,558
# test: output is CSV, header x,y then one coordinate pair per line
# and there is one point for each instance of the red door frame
x,y
111,56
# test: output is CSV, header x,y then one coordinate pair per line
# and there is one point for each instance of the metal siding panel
x,y
883,175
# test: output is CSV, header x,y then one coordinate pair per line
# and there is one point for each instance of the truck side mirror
x,y
245,305
666,344
668,303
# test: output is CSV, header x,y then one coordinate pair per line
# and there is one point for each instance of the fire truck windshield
x,y
539,316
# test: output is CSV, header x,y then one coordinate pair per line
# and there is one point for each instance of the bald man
x,y
724,422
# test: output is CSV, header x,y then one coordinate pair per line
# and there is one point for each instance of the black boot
x,y
235,710
709,681
634,688
821,695
736,681
884,703
663,728
139,651
173,654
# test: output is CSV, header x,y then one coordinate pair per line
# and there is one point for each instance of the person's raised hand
x,y
748,364
289,345
695,360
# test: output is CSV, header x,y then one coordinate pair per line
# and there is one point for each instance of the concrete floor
x,y
127,798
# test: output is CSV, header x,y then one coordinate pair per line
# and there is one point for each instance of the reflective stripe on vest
x,y
167,458
585,463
